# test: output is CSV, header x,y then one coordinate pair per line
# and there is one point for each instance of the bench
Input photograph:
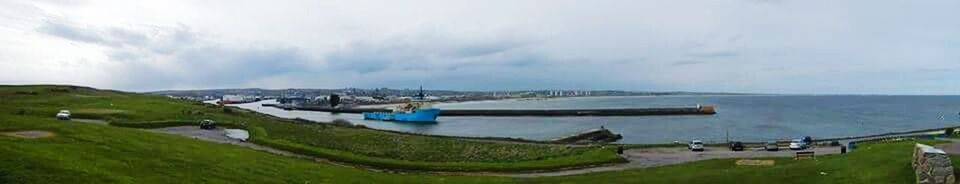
x,y
804,155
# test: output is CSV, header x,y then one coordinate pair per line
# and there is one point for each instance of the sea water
x,y
743,118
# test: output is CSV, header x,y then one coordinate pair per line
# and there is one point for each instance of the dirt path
x,y
93,121
29,134
219,135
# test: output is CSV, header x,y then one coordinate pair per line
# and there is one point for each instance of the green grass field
x,y
90,153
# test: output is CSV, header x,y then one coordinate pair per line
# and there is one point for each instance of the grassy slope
x,y
385,149
86,153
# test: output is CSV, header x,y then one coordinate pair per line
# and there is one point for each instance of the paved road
x,y
952,148
652,157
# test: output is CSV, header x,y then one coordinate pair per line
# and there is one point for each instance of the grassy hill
x,y
92,153
341,143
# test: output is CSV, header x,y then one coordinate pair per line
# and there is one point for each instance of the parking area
x,y
649,157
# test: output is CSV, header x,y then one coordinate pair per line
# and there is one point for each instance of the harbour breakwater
x,y
694,110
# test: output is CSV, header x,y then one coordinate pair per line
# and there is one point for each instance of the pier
x,y
694,110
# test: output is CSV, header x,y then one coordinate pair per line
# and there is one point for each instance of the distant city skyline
x,y
741,46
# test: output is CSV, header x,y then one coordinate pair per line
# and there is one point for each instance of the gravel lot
x,y
666,156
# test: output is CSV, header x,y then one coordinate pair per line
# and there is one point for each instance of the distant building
x,y
230,99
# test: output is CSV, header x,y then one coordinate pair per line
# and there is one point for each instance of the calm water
x,y
748,118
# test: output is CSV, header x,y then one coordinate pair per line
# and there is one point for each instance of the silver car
x,y
695,145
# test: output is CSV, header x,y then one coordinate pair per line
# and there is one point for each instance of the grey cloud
x,y
70,32
424,54
936,70
159,39
163,57
748,46
127,36
485,49
687,62
716,54
215,66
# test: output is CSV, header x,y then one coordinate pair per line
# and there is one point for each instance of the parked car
x,y
797,144
736,146
208,124
771,146
63,115
695,145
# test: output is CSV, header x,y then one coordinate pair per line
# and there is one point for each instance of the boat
x,y
418,110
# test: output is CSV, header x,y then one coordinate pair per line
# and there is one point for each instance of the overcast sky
x,y
767,46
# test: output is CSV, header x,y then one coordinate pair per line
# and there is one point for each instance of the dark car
x,y
771,146
736,146
208,124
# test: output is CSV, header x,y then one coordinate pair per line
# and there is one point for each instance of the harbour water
x,y
745,118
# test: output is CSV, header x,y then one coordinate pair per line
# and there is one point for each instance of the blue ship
x,y
418,110
418,115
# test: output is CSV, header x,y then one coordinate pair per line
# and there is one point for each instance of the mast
x,y
420,95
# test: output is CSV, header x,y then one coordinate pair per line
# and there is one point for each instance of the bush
x,y
26,93
227,110
342,122
60,90
21,112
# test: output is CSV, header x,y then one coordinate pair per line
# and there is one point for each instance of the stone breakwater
x,y
932,165
592,136
697,110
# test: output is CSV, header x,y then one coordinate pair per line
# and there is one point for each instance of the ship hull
x,y
420,115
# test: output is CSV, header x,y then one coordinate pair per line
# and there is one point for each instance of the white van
x,y
63,115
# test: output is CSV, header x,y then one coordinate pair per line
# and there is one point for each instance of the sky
x,y
755,46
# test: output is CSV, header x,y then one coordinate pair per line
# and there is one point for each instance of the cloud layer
x,y
885,47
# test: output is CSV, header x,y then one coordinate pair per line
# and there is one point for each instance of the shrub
x,y
60,90
26,93
342,122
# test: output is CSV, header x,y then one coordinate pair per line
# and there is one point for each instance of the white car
x,y
695,145
797,144
63,115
